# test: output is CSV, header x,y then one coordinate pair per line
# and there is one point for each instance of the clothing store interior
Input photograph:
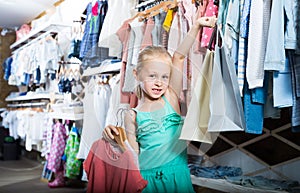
x,y
68,72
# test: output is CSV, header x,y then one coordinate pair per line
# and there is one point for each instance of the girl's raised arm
x,y
183,50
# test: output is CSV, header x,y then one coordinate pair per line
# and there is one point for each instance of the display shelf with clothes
x,y
37,34
27,96
108,66
26,124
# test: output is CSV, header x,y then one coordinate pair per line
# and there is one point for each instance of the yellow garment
x,y
168,20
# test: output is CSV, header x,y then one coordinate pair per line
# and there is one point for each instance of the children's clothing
x,y
163,157
111,171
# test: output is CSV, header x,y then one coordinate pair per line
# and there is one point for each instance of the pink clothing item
x,y
211,10
200,13
123,34
147,38
202,8
110,171
95,9
57,149
59,180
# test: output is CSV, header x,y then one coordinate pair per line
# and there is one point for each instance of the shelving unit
x,y
103,69
69,116
34,96
37,34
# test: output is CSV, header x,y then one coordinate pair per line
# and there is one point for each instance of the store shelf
x,y
37,34
66,116
34,96
102,69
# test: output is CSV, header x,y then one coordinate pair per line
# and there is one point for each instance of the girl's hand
x,y
207,21
108,133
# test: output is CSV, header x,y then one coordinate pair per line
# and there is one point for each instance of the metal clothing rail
x,y
37,34
37,104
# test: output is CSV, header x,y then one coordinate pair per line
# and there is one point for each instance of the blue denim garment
x,y
84,42
262,182
254,100
215,172
92,30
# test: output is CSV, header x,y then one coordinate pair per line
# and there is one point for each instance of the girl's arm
x,y
130,128
182,51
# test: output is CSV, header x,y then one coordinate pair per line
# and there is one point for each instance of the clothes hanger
x,y
121,138
164,5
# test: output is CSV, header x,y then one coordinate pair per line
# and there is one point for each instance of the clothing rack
x,y
103,69
144,3
68,62
37,104
158,7
37,34
43,35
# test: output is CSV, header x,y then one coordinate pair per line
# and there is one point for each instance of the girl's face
x,y
154,78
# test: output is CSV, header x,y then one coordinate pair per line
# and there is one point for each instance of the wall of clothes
x,y
239,92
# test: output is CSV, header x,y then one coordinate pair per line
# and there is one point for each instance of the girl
x,y
154,126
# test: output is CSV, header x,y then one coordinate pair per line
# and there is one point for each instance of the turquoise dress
x,y
163,157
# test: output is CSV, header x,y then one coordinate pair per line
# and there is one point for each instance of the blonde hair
x,y
147,54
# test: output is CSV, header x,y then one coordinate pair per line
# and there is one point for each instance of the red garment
x,y
111,172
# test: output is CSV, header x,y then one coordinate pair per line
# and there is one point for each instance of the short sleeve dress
x,y
163,157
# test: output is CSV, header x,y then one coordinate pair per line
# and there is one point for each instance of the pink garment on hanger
x,y
123,34
112,171
211,10
147,38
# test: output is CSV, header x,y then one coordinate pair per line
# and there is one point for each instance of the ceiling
x,y
14,13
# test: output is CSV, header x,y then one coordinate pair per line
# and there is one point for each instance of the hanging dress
x,y
163,157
